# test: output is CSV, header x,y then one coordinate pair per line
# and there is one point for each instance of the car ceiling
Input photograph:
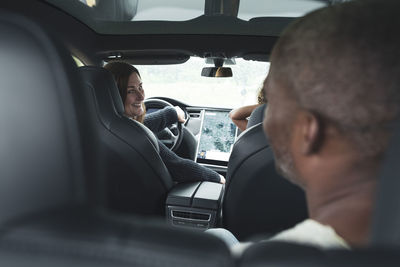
x,y
251,40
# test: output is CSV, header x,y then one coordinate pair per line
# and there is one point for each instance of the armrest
x,y
208,196
182,194
195,205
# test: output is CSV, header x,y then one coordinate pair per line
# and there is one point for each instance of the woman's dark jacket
x,y
181,170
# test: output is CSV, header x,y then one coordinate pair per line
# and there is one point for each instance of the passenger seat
x,y
257,199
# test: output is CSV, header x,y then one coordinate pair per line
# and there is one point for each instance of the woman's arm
x,y
185,170
239,115
158,120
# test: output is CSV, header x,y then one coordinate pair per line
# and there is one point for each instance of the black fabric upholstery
x,y
137,179
257,199
286,254
49,151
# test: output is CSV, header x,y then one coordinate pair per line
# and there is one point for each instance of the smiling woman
x,y
134,97
130,88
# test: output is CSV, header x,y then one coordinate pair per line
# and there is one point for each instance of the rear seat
x,y
50,186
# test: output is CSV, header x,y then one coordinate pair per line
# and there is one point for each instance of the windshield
x,y
183,82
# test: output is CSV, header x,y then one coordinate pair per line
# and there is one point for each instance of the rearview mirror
x,y
216,72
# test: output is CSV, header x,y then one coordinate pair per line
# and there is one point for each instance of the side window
x,y
78,62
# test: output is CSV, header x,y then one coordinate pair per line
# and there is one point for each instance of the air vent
x,y
191,215
194,114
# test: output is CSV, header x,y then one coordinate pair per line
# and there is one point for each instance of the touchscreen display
x,y
217,136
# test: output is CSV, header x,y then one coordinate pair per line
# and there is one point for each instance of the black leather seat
x,y
137,178
50,186
257,199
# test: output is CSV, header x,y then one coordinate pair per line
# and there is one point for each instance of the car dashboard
x,y
215,134
209,134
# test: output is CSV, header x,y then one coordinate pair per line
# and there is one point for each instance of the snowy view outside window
x,y
183,82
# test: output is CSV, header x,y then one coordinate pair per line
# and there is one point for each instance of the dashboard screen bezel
x,y
212,161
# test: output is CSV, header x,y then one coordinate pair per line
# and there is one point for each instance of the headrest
x,y
43,144
109,103
256,116
105,91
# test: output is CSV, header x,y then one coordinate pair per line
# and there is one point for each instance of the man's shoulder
x,y
311,232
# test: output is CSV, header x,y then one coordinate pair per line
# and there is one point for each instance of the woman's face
x,y
134,97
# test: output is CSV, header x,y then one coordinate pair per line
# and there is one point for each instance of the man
x,y
333,92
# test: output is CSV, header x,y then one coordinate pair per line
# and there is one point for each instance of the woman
x,y
130,87
239,116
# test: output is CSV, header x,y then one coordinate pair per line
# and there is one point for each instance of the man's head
x,y
334,86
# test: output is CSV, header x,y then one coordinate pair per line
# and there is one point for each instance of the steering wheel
x,y
171,136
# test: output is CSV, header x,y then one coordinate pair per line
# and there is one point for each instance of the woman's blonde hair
x,y
261,96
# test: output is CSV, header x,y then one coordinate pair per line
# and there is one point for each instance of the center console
x,y
198,204
195,205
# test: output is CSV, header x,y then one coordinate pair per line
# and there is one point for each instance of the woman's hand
x,y
222,179
180,113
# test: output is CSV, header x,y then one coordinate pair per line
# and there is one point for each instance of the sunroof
x,y
182,10
272,8
172,10
187,16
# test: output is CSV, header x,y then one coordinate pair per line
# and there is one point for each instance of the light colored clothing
x,y
313,233
309,232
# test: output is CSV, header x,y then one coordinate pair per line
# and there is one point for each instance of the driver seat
x,y
136,177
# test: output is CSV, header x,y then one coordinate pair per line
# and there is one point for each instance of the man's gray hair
x,y
343,63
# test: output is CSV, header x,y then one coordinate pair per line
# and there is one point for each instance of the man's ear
x,y
309,129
